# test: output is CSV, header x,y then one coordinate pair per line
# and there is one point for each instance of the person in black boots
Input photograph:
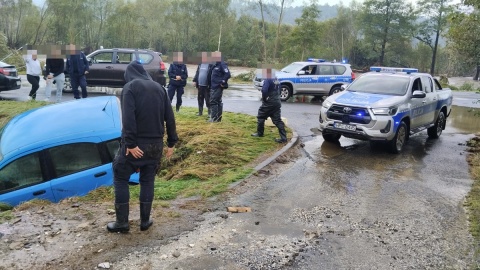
x,y
201,82
271,107
219,76
146,111
178,74
33,72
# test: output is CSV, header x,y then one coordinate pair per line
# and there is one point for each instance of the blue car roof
x,y
37,128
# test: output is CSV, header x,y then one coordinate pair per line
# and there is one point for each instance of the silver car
x,y
312,77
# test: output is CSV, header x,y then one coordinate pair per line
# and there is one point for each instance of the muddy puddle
x,y
464,119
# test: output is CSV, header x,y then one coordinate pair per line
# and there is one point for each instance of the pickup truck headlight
x,y
326,104
385,111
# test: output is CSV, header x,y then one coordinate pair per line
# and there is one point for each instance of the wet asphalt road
x,y
341,206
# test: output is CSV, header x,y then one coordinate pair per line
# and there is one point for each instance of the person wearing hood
x,y
146,112
271,106
178,74
219,76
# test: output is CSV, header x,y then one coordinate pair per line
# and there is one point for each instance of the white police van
x,y
313,77
387,104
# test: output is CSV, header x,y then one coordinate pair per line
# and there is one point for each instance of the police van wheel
x,y
335,90
330,137
435,131
396,145
285,92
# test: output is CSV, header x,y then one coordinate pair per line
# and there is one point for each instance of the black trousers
x,y
203,95
147,166
171,92
216,104
35,82
272,110
78,80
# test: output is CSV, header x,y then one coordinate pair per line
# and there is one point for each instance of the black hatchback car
x,y
9,79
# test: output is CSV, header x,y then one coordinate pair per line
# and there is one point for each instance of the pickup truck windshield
x,y
292,68
386,85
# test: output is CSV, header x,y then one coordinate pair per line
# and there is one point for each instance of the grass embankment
x,y
207,158
472,201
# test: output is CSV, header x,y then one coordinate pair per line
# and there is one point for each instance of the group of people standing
x,y
211,78
76,65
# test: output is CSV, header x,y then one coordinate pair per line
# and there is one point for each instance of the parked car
x,y
315,77
9,79
387,105
45,155
107,66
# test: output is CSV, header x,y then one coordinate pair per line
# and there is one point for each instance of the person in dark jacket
x,y
201,82
146,111
218,81
54,69
271,107
178,74
77,67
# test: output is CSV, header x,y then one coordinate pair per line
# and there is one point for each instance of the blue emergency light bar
x,y
315,60
392,69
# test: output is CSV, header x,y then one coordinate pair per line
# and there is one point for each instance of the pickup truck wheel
x,y
335,90
329,137
396,145
285,92
67,86
435,131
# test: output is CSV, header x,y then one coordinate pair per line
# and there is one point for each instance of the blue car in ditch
x,y
60,150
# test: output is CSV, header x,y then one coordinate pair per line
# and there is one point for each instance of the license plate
x,y
345,126
18,82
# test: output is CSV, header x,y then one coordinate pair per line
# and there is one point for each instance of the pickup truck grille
x,y
348,114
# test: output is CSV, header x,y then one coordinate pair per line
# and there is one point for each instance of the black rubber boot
x,y
200,111
283,135
145,221
121,225
260,128
257,135
177,108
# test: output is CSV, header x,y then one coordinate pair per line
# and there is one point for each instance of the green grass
x,y
472,202
207,159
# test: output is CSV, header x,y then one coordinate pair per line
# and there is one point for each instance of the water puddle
x,y
464,119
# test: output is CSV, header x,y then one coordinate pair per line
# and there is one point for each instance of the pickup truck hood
x,y
365,99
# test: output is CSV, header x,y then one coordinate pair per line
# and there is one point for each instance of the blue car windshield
x,y
385,85
292,68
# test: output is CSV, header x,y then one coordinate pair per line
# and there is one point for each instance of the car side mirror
x,y
89,61
301,72
418,94
343,87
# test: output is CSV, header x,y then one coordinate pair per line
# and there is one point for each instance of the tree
x,y
384,22
465,34
434,13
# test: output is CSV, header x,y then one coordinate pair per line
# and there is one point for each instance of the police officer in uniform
x,y
271,107
218,81
178,74
201,82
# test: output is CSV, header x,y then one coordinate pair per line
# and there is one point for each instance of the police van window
x,y
427,84
72,158
23,172
124,58
340,70
144,57
103,58
326,70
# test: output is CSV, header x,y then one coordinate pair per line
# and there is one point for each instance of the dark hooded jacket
x,y
146,110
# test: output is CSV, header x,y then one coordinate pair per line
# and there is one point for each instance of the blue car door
x,y
79,169
22,180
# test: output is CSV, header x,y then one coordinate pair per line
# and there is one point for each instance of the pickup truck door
x,y
430,100
420,107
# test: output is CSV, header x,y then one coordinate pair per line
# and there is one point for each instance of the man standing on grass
x,y
77,67
201,82
218,82
146,112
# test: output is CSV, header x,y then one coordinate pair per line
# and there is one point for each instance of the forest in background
x,y
372,32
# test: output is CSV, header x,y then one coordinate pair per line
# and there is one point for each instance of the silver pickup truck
x,y
389,105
